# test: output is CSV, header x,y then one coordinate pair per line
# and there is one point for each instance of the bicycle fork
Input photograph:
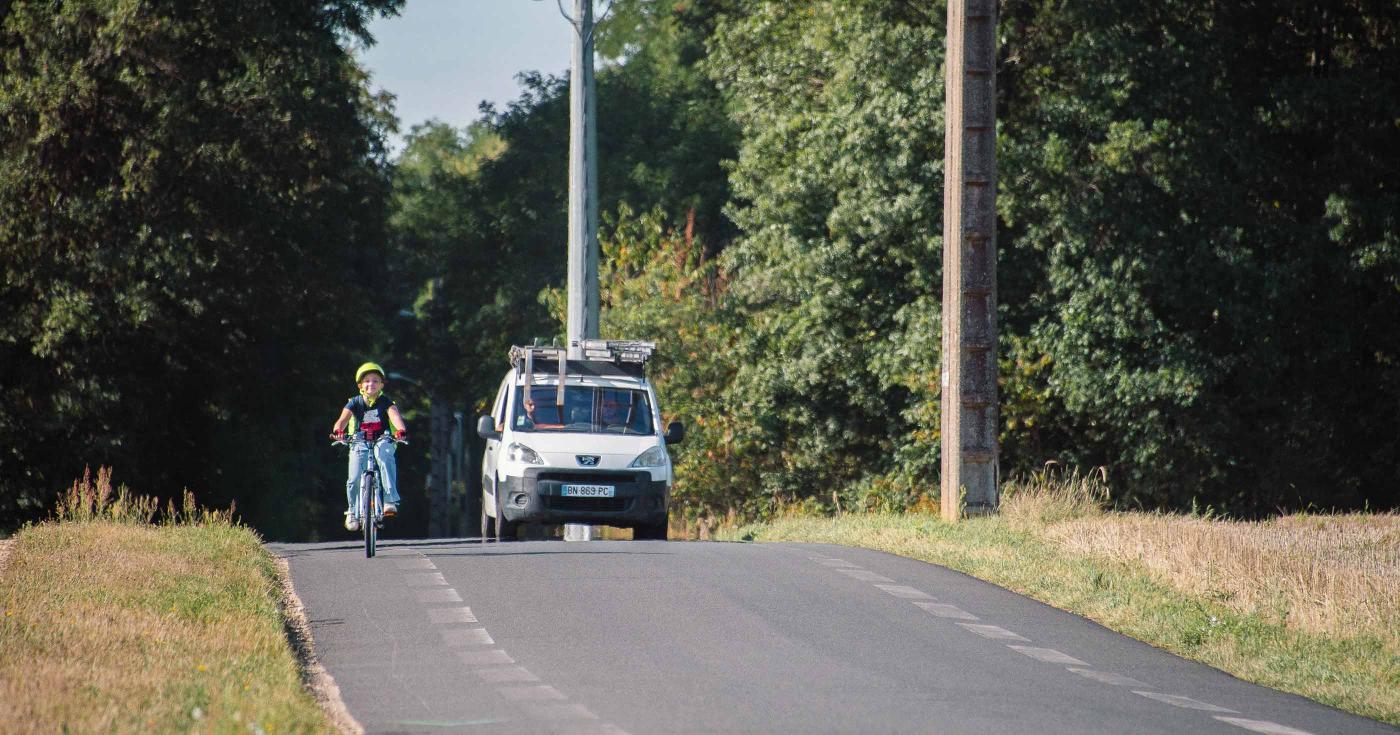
x,y
371,498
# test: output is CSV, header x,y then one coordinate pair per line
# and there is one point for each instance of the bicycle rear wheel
x,y
369,512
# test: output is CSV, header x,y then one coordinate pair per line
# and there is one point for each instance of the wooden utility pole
x,y
969,375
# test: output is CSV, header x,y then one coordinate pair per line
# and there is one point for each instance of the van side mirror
x,y
486,428
675,433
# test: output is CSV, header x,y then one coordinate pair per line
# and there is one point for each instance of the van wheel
x,y
488,524
506,530
650,532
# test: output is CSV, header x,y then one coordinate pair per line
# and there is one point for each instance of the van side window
x,y
499,410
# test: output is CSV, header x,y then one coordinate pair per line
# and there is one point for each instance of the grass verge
x,y
112,624
1305,604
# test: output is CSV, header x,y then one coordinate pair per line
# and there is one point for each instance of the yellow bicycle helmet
x,y
369,367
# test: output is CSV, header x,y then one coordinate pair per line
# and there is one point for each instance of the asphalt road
x,y
656,637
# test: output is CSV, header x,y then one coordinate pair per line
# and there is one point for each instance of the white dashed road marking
x,y
591,728
445,615
1108,677
441,595
994,632
1177,700
536,693
1264,726
864,575
495,666
506,674
943,610
1048,655
492,657
560,711
466,637
905,592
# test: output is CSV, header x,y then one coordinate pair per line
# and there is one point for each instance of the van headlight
x,y
654,457
521,453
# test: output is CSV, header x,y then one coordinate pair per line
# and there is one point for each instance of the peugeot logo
x,y
587,460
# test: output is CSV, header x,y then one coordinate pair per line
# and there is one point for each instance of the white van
x,y
577,441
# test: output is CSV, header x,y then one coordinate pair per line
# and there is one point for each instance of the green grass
x,y
115,625
1358,673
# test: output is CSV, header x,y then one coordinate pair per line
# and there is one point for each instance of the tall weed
x,y
92,499
1053,494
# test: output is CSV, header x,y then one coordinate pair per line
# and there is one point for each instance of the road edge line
x,y
317,680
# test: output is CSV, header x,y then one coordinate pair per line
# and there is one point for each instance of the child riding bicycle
x,y
372,412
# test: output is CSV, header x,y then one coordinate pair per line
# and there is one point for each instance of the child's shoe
x,y
351,522
390,510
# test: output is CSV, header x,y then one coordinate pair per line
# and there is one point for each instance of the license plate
x,y
587,491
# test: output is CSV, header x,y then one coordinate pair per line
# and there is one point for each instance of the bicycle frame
x,y
370,507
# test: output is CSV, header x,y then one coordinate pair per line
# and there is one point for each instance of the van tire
x,y
488,524
505,530
650,532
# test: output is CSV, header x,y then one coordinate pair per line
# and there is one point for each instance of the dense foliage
x,y
187,191
1199,271
1210,195
1198,251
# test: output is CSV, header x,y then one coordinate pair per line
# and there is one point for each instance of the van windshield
x,y
588,409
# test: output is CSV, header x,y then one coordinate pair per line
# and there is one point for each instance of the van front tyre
x,y
505,530
650,532
488,524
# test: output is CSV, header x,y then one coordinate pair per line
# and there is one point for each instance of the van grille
x,y
589,478
596,505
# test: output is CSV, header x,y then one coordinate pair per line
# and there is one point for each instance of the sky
x,y
442,58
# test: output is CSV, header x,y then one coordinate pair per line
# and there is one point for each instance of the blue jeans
x,y
388,473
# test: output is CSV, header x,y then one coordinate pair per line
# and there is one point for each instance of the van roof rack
x,y
599,350
618,350
629,354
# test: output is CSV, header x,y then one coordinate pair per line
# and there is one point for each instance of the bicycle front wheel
x,y
369,513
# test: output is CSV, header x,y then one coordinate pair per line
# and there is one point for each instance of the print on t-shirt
x,y
367,419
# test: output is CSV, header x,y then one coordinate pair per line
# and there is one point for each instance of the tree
x,y
187,191
1209,187
838,195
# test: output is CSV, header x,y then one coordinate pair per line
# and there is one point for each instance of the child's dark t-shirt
x,y
373,420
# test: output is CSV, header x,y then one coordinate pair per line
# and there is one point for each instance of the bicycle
x,y
371,505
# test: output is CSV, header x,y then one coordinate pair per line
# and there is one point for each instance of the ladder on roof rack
x,y
526,356
603,350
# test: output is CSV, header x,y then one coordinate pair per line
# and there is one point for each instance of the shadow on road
x,y
470,547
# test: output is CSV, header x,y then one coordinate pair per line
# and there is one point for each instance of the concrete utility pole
x,y
583,186
582,319
969,379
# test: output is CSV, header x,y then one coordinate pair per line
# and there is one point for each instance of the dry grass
x,y
1322,574
1052,495
1334,575
114,625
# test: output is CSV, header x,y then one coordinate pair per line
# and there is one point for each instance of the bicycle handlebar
x,y
359,438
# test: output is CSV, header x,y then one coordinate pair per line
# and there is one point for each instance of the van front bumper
x,y
539,497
